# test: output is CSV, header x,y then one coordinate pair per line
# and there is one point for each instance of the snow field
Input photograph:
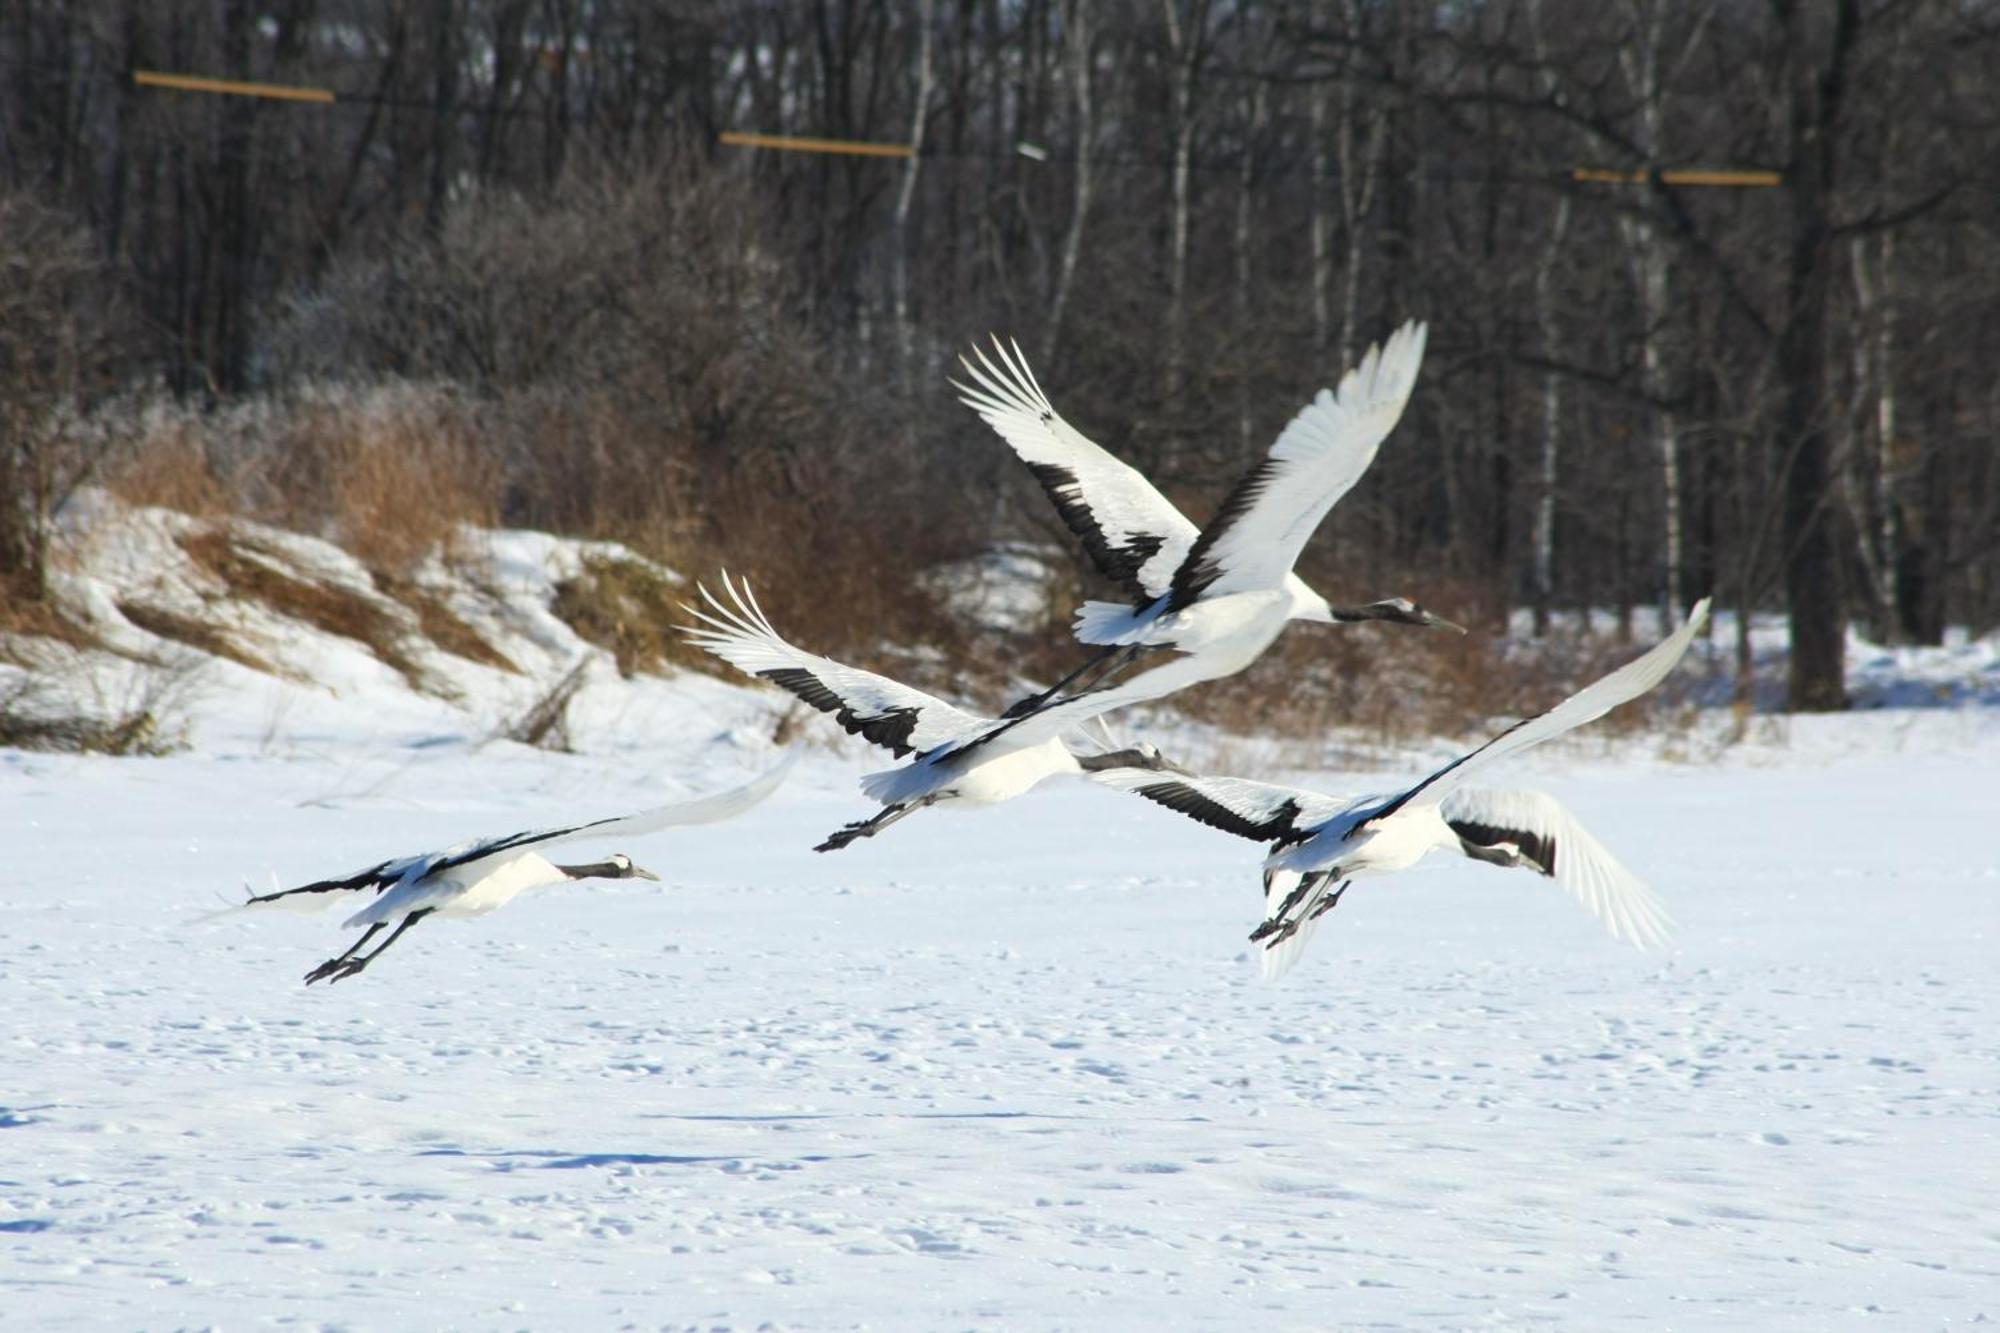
x,y
1005,1069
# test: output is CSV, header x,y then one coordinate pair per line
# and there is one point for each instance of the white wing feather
x,y
1259,811
1256,537
884,711
1584,868
1586,705
1135,535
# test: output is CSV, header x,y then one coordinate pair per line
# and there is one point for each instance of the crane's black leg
x,y
1034,703
1282,925
331,965
353,966
868,828
1331,901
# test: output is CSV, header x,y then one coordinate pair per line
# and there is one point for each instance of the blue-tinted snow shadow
x,y
551,1160
871,1115
27,1225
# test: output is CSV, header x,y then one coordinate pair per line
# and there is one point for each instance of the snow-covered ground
x,y
1011,1069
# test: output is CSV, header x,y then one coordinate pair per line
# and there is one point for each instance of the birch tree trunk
x,y
1543,538
1245,179
1359,169
906,342
1641,62
1319,222
1078,54
1187,41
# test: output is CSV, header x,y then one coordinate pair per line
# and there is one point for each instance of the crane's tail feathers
x,y
1111,624
901,785
1293,906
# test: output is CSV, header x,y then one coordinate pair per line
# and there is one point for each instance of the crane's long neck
x,y
1130,758
595,870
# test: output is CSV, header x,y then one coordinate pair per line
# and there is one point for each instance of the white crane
x,y
1323,843
1221,594
960,756
477,876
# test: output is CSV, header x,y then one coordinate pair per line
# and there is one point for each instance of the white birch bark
x,y
1547,471
1186,42
913,166
1078,54
1259,97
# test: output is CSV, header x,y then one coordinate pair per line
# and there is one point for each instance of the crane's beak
x,y
640,872
1430,621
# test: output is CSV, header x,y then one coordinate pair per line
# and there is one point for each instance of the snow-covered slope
x,y
1011,1069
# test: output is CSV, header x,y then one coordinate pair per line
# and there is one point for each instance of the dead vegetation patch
x,y
250,571
23,622
442,626
201,635
631,610
149,721
544,724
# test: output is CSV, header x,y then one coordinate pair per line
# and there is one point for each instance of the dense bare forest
x,y
518,226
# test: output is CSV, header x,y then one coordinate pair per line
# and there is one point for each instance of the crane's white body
x,y
958,756
1324,842
472,889
481,875
996,777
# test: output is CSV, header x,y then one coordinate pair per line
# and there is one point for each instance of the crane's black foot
x,y
1274,932
350,968
847,835
332,967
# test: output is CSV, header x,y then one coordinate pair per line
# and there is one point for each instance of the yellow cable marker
x,y
792,143
189,83
1679,176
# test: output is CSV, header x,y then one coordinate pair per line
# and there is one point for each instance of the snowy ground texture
x,y
1004,1070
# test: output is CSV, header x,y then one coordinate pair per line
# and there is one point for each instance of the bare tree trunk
x,y
1650,272
1188,43
1245,178
1359,169
1319,222
1814,93
1078,52
1869,478
906,338
1544,537
1641,60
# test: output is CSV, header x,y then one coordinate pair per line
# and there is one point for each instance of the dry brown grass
x,y
201,635
390,473
25,621
626,608
149,720
168,466
442,626
393,473
248,571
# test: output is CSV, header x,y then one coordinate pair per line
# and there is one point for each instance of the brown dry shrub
x,y
390,473
167,466
626,608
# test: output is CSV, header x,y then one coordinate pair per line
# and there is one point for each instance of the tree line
x,y
1713,286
